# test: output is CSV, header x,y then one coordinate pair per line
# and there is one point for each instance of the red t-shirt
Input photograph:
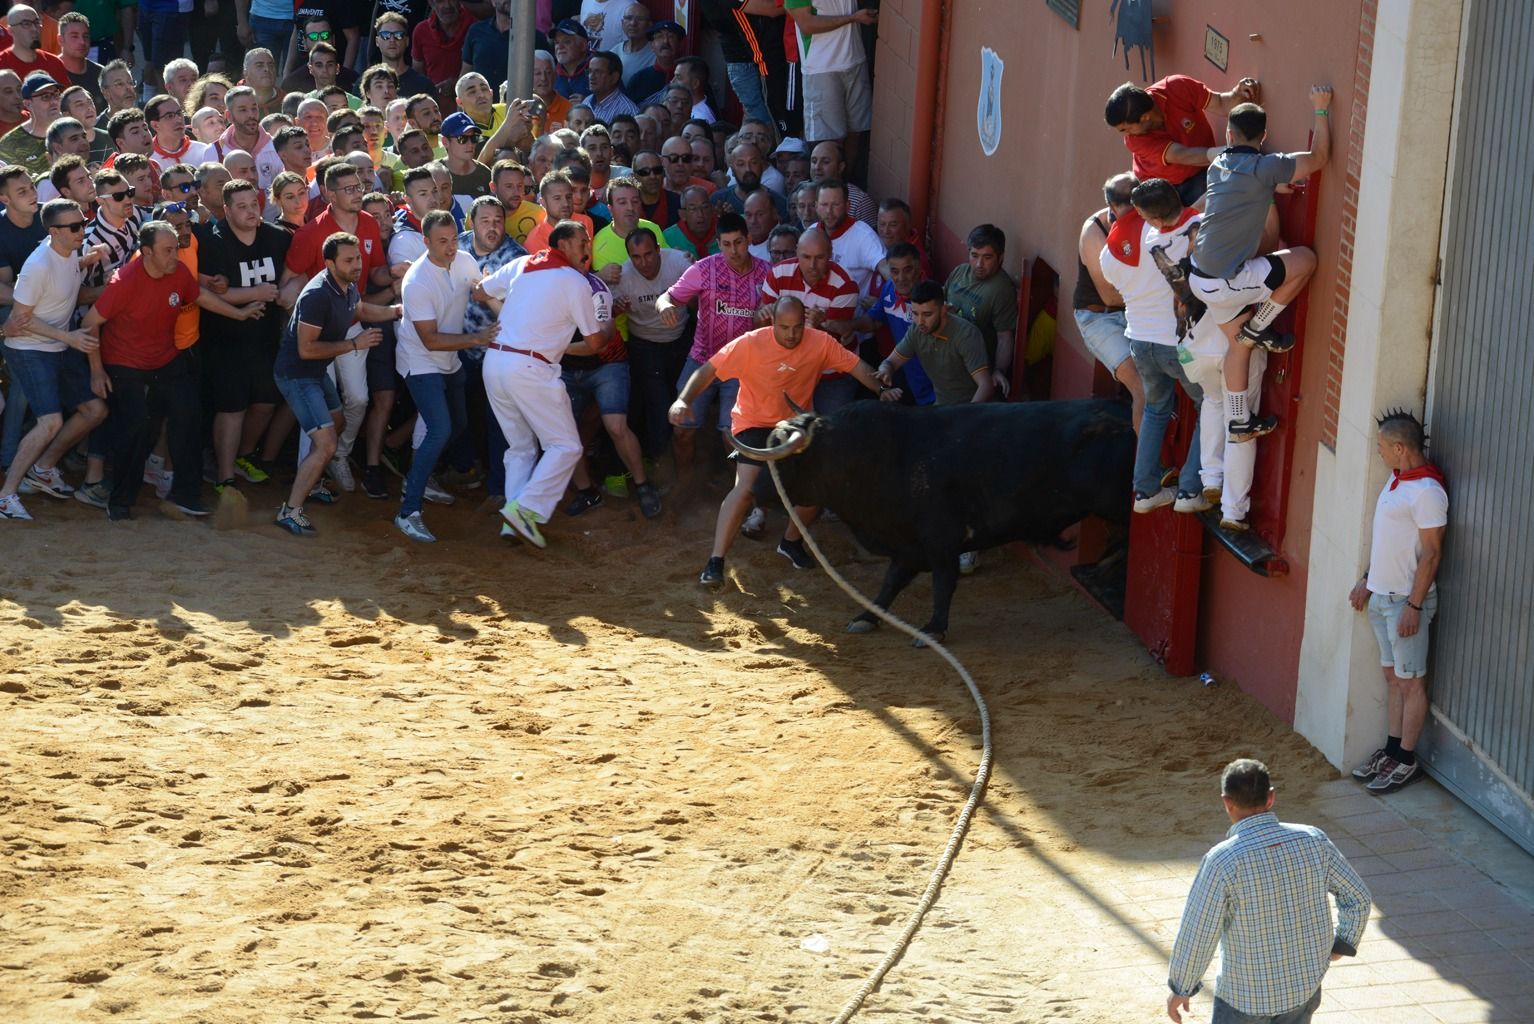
x,y
1181,101
141,312
306,256
45,62
440,53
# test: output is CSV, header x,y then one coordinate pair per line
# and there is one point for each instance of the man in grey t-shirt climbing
x,y
1227,274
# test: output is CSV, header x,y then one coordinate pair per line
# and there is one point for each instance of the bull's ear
x,y
794,405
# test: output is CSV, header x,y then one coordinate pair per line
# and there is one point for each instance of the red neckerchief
x,y
1426,471
699,242
186,144
840,230
1124,238
547,259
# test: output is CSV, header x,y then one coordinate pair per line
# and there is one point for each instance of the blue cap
x,y
666,25
36,82
570,26
457,125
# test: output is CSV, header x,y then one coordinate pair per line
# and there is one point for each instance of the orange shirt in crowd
x,y
538,238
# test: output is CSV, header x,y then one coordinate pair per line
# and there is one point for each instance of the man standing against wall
x,y
1401,594
1261,896
838,101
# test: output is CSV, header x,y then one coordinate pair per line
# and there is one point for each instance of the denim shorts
x,y
608,383
724,390
1407,654
312,400
1104,336
55,383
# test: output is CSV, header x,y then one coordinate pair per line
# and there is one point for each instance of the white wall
x,y
1340,706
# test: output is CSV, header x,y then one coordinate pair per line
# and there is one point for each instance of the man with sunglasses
x,y
23,56
115,227
341,18
391,34
172,145
657,203
48,360
26,145
461,137
179,184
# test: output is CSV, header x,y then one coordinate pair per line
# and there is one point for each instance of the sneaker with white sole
x,y
341,473
1371,767
794,551
755,524
414,527
322,494
251,468
1191,501
969,561
93,494
1150,502
12,508
49,481
295,522
163,485
525,522
435,494
1398,775
1250,429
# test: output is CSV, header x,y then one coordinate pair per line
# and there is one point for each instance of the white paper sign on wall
x,y
988,110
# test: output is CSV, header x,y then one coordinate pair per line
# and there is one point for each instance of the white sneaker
x,y
435,494
755,524
969,561
1151,502
341,473
162,486
414,527
12,508
153,466
49,481
1191,501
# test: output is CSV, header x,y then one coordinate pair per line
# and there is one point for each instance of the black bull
x,y
924,484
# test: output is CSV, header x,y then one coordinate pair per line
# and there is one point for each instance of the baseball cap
x,y
570,26
458,125
36,82
790,145
666,25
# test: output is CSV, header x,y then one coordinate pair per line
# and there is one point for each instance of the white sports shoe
x,y
969,561
341,473
414,527
435,494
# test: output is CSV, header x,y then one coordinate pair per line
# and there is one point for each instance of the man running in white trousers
x,y
543,300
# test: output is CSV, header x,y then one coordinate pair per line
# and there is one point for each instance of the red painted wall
x,y
1046,177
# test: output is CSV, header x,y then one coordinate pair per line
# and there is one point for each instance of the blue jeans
x,y
274,34
608,384
746,82
439,398
723,390
1224,1013
163,34
15,422
312,399
1160,372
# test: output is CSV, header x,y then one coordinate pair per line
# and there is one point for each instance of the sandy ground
x,y
248,777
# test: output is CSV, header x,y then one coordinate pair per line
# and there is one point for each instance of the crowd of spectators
x,y
295,180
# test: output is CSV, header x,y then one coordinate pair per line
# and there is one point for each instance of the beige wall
x,y
1341,700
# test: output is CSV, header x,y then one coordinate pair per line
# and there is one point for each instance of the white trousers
x,y
533,409
349,372
1239,461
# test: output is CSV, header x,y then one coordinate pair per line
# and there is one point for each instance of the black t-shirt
x,y
90,80
415,11
221,254
720,16
323,305
16,244
340,13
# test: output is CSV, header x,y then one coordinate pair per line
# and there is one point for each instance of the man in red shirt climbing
x,y
1166,129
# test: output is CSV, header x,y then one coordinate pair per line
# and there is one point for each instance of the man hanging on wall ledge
x,y
1166,128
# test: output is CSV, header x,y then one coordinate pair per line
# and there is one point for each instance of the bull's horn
x,y
778,451
794,405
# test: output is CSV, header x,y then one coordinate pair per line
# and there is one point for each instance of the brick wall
x,y
894,83
1348,222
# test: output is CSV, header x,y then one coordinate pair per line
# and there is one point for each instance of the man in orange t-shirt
x,y
775,366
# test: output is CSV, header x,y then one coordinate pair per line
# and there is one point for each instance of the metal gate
x,y
1480,736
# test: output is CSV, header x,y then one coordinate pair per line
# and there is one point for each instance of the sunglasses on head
x,y
318,37
74,225
127,193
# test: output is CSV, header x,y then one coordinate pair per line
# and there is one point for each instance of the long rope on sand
x,y
976,791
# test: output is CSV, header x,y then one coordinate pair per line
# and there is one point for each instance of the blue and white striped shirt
x,y
1261,897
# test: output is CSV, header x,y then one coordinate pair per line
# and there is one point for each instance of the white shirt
x,y
760,251
604,22
703,112
641,293
50,284
195,153
1149,310
836,50
858,249
406,247
1396,547
542,309
430,292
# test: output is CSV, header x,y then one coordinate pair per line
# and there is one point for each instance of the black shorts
x,y
382,376
237,373
756,437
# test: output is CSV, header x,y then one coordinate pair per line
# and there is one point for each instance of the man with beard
x,y
746,164
245,133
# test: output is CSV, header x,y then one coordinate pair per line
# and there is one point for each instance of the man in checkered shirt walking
x,y
1261,897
